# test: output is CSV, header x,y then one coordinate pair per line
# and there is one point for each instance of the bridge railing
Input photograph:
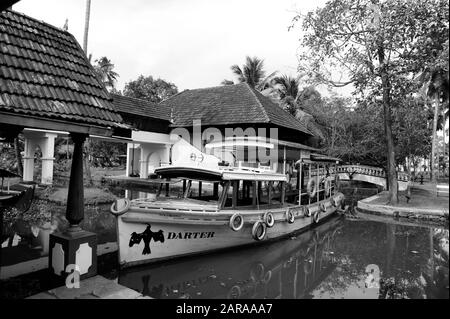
x,y
368,170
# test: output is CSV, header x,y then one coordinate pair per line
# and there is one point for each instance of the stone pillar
x,y
143,162
28,158
74,252
165,158
47,145
129,164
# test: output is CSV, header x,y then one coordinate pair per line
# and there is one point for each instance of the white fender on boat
x,y
269,219
316,216
322,207
333,202
120,206
236,222
290,216
306,211
259,230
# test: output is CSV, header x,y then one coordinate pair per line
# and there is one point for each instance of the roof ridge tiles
x,y
259,102
134,98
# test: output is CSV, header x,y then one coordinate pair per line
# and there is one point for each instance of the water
x,y
340,258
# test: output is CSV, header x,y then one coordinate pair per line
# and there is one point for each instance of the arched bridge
x,y
370,174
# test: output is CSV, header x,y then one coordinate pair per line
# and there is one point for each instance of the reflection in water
x,y
338,259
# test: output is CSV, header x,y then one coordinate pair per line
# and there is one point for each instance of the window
x,y
253,194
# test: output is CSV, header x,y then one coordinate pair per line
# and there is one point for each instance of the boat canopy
x,y
225,173
189,173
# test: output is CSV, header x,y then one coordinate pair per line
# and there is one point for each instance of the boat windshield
x,y
208,191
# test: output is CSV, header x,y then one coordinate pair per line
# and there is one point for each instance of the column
x,y
47,145
74,252
143,167
129,167
28,158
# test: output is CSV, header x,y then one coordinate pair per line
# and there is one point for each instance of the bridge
x,y
374,175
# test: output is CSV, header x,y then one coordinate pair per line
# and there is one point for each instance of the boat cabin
x,y
249,188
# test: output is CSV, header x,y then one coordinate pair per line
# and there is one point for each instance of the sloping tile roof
x,y
229,104
45,73
143,108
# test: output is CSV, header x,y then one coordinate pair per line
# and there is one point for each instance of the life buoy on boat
x,y
311,187
236,222
120,206
269,219
290,216
306,211
259,230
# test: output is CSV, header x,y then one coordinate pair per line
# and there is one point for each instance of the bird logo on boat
x,y
146,236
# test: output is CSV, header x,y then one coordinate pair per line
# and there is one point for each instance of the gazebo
x,y
46,82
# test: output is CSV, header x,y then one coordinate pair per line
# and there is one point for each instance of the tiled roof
x,y
45,73
143,108
229,104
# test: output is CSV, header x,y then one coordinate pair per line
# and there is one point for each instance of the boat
x,y
220,207
288,269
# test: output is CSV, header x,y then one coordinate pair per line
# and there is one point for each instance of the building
x,y
48,85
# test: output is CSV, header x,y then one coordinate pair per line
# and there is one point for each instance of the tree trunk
x,y
86,25
391,171
18,156
434,145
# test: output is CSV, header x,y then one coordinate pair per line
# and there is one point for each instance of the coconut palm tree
x,y
437,82
287,89
104,69
86,25
252,73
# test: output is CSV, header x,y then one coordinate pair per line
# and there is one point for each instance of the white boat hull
x,y
179,233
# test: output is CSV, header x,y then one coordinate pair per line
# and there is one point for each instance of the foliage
x,y
150,89
106,154
252,73
376,46
104,69
355,132
286,89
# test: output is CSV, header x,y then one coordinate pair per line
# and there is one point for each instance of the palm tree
x,y
252,73
437,82
86,25
287,89
104,69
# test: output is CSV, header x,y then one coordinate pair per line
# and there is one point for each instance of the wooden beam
x,y
54,125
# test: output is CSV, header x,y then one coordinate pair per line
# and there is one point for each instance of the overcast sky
x,y
191,43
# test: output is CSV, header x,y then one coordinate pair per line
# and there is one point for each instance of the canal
x,y
342,257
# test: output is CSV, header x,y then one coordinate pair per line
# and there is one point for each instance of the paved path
x,y
423,203
97,287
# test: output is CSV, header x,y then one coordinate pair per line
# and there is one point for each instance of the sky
x,y
191,43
